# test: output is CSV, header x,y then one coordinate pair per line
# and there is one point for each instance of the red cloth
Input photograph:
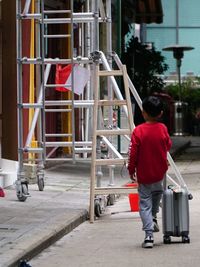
x,y
62,74
148,152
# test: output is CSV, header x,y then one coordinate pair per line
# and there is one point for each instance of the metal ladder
x,y
54,106
95,188
99,133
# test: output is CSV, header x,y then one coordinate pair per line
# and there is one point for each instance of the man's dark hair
x,y
152,105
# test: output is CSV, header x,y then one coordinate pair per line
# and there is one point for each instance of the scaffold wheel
x,y
23,193
111,199
97,209
40,182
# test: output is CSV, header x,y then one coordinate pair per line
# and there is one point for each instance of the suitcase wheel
x,y
166,239
185,239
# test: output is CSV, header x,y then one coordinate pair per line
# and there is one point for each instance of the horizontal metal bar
x,y
33,150
83,150
114,190
67,144
67,159
101,162
112,102
30,16
58,159
77,103
58,135
110,73
69,20
76,16
26,60
57,35
83,15
113,132
57,85
57,11
79,15
29,105
58,110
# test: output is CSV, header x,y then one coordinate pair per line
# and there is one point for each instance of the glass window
x,y
162,38
189,13
190,62
169,11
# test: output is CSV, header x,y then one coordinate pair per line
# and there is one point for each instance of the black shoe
x,y
148,242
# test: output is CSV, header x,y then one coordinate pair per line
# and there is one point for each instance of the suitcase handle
x,y
173,188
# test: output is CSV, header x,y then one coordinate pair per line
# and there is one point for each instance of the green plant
x,y
144,65
190,92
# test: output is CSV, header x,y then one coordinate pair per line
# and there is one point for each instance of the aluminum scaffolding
x,y
38,146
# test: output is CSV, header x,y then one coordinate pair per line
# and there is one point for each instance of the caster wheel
x,y
166,239
185,239
97,209
40,183
24,190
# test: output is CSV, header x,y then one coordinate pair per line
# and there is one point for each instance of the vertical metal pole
x,y
43,119
87,33
72,85
87,93
38,80
178,66
95,26
119,51
19,93
82,110
177,21
109,84
94,145
95,46
178,61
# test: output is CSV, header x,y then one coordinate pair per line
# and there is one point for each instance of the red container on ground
x,y
133,198
134,201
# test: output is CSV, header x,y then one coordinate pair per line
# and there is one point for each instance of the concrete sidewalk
x,y
115,241
28,227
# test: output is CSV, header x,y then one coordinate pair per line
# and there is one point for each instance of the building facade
x,y
140,12
181,25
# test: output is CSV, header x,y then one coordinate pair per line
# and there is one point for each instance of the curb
x,y
53,234
180,149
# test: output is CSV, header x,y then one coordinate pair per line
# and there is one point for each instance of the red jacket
x,y
148,152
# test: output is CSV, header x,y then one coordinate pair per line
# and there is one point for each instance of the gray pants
x,y
150,196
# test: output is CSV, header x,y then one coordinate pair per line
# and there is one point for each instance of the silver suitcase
x,y
175,214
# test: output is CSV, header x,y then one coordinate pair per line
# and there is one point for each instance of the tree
x,y
143,66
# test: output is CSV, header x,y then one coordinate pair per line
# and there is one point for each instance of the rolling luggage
x,y
175,214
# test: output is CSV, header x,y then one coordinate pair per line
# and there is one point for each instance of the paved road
x,y
115,239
